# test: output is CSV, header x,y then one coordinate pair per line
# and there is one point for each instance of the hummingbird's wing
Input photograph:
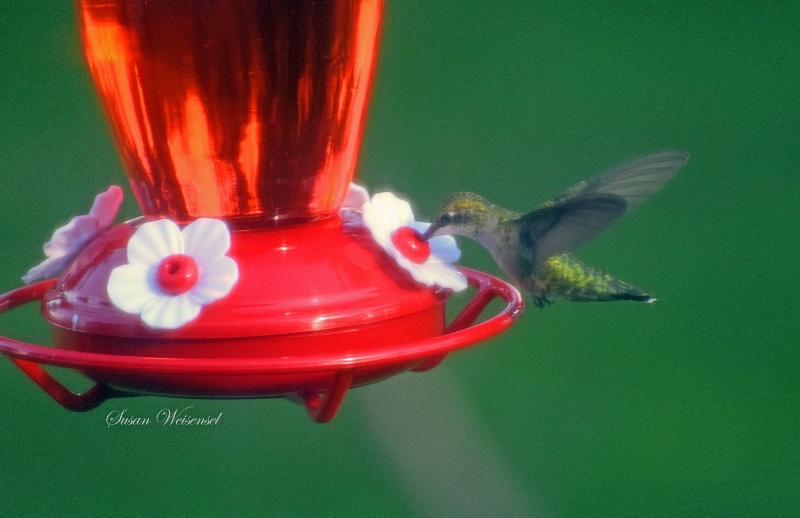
x,y
586,209
552,230
634,180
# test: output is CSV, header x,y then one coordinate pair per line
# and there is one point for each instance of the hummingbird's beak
x,y
429,233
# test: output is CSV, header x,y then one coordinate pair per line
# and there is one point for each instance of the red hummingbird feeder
x,y
249,274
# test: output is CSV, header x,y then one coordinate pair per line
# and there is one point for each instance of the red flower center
x,y
177,273
410,243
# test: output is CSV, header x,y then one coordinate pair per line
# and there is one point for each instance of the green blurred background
x,y
687,407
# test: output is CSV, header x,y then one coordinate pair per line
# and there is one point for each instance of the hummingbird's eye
x,y
446,218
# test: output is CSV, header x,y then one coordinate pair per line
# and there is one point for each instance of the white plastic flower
x,y
68,241
356,197
391,222
171,274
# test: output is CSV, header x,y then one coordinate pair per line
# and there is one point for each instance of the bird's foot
x,y
541,302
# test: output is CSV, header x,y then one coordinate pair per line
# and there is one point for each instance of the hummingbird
x,y
534,249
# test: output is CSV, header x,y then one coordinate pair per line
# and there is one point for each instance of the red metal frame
x,y
321,405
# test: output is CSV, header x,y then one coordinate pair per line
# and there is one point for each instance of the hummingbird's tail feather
x,y
567,277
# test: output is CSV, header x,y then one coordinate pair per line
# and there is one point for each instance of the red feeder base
x,y
318,378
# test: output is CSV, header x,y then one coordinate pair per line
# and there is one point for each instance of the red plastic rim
x,y
321,403
460,333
